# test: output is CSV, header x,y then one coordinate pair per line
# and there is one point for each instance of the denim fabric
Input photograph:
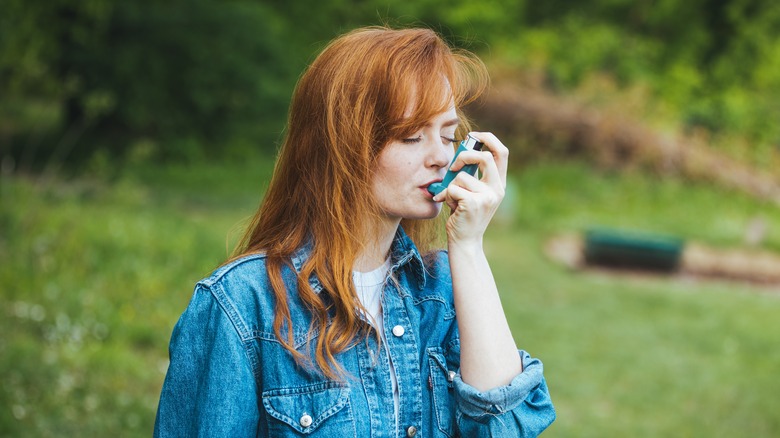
x,y
230,376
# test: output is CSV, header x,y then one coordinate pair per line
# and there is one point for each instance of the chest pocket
x,y
443,392
318,410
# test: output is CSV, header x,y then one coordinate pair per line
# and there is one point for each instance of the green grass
x,y
94,274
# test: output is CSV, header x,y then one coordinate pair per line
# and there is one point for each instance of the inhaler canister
x,y
468,144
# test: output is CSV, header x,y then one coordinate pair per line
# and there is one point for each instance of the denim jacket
x,y
230,376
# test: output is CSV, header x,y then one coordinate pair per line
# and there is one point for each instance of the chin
x,y
430,213
417,212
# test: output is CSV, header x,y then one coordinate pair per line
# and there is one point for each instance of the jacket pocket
x,y
442,388
320,409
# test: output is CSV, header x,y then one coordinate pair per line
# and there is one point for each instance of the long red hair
x,y
351,101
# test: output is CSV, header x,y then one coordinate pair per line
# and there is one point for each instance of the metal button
x,y
411,431
398,331
451,376
305,420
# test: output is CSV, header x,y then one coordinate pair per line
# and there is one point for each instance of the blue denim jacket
x,y
230,376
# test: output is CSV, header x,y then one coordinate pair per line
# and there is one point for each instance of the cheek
x,y
398,170
395,166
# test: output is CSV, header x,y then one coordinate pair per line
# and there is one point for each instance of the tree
x,y
184,75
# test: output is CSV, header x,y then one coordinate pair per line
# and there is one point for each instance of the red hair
x,y
350,103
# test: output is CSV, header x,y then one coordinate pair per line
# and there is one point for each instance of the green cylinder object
x,y
630,250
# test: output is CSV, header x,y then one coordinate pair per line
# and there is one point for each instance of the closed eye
x,y
448,140
412,140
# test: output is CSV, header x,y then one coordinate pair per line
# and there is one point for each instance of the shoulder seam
x,y
223,270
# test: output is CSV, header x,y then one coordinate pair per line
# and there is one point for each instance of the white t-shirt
x,y
369,286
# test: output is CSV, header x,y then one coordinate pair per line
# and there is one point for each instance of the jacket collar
x,y
403,251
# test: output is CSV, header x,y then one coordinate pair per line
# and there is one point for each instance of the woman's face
x,y
406,167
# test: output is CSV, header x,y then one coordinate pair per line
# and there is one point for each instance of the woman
x,y
337,317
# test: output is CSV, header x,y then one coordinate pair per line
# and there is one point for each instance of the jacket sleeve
x,y
210,388
522,408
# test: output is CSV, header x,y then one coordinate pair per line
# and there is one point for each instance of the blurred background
x,y
136,138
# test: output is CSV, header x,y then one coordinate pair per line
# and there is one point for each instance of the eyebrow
x,y
451,122
448,123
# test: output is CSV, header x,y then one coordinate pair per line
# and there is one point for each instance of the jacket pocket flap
x,y
304,408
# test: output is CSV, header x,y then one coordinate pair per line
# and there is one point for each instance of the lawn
x,y
95,271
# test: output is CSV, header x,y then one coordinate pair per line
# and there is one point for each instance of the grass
x,y
93,275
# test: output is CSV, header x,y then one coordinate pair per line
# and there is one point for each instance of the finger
x,y
470,183
460,198
497,149
483,159
487,166
466,190
456,194
466,187
452,203
446,197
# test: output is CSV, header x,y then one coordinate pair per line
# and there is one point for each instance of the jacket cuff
x,y
475,404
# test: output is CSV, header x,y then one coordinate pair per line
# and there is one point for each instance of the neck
x,y
380,237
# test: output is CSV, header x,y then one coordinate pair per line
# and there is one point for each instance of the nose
x,y
439,154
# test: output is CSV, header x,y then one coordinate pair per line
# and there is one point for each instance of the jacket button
x,y
398,331
305,420
411,431
451,376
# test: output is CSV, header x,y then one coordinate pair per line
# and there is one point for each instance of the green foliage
x,y
180,74
712,62
574,49
196,79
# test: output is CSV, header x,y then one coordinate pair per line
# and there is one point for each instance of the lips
x,y
425,186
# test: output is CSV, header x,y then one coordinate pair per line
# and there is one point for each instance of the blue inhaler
x,y
469,144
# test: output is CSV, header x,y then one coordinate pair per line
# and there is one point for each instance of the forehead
x,y
446,118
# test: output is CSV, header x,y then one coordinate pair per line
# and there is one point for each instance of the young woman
x,y
339,317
